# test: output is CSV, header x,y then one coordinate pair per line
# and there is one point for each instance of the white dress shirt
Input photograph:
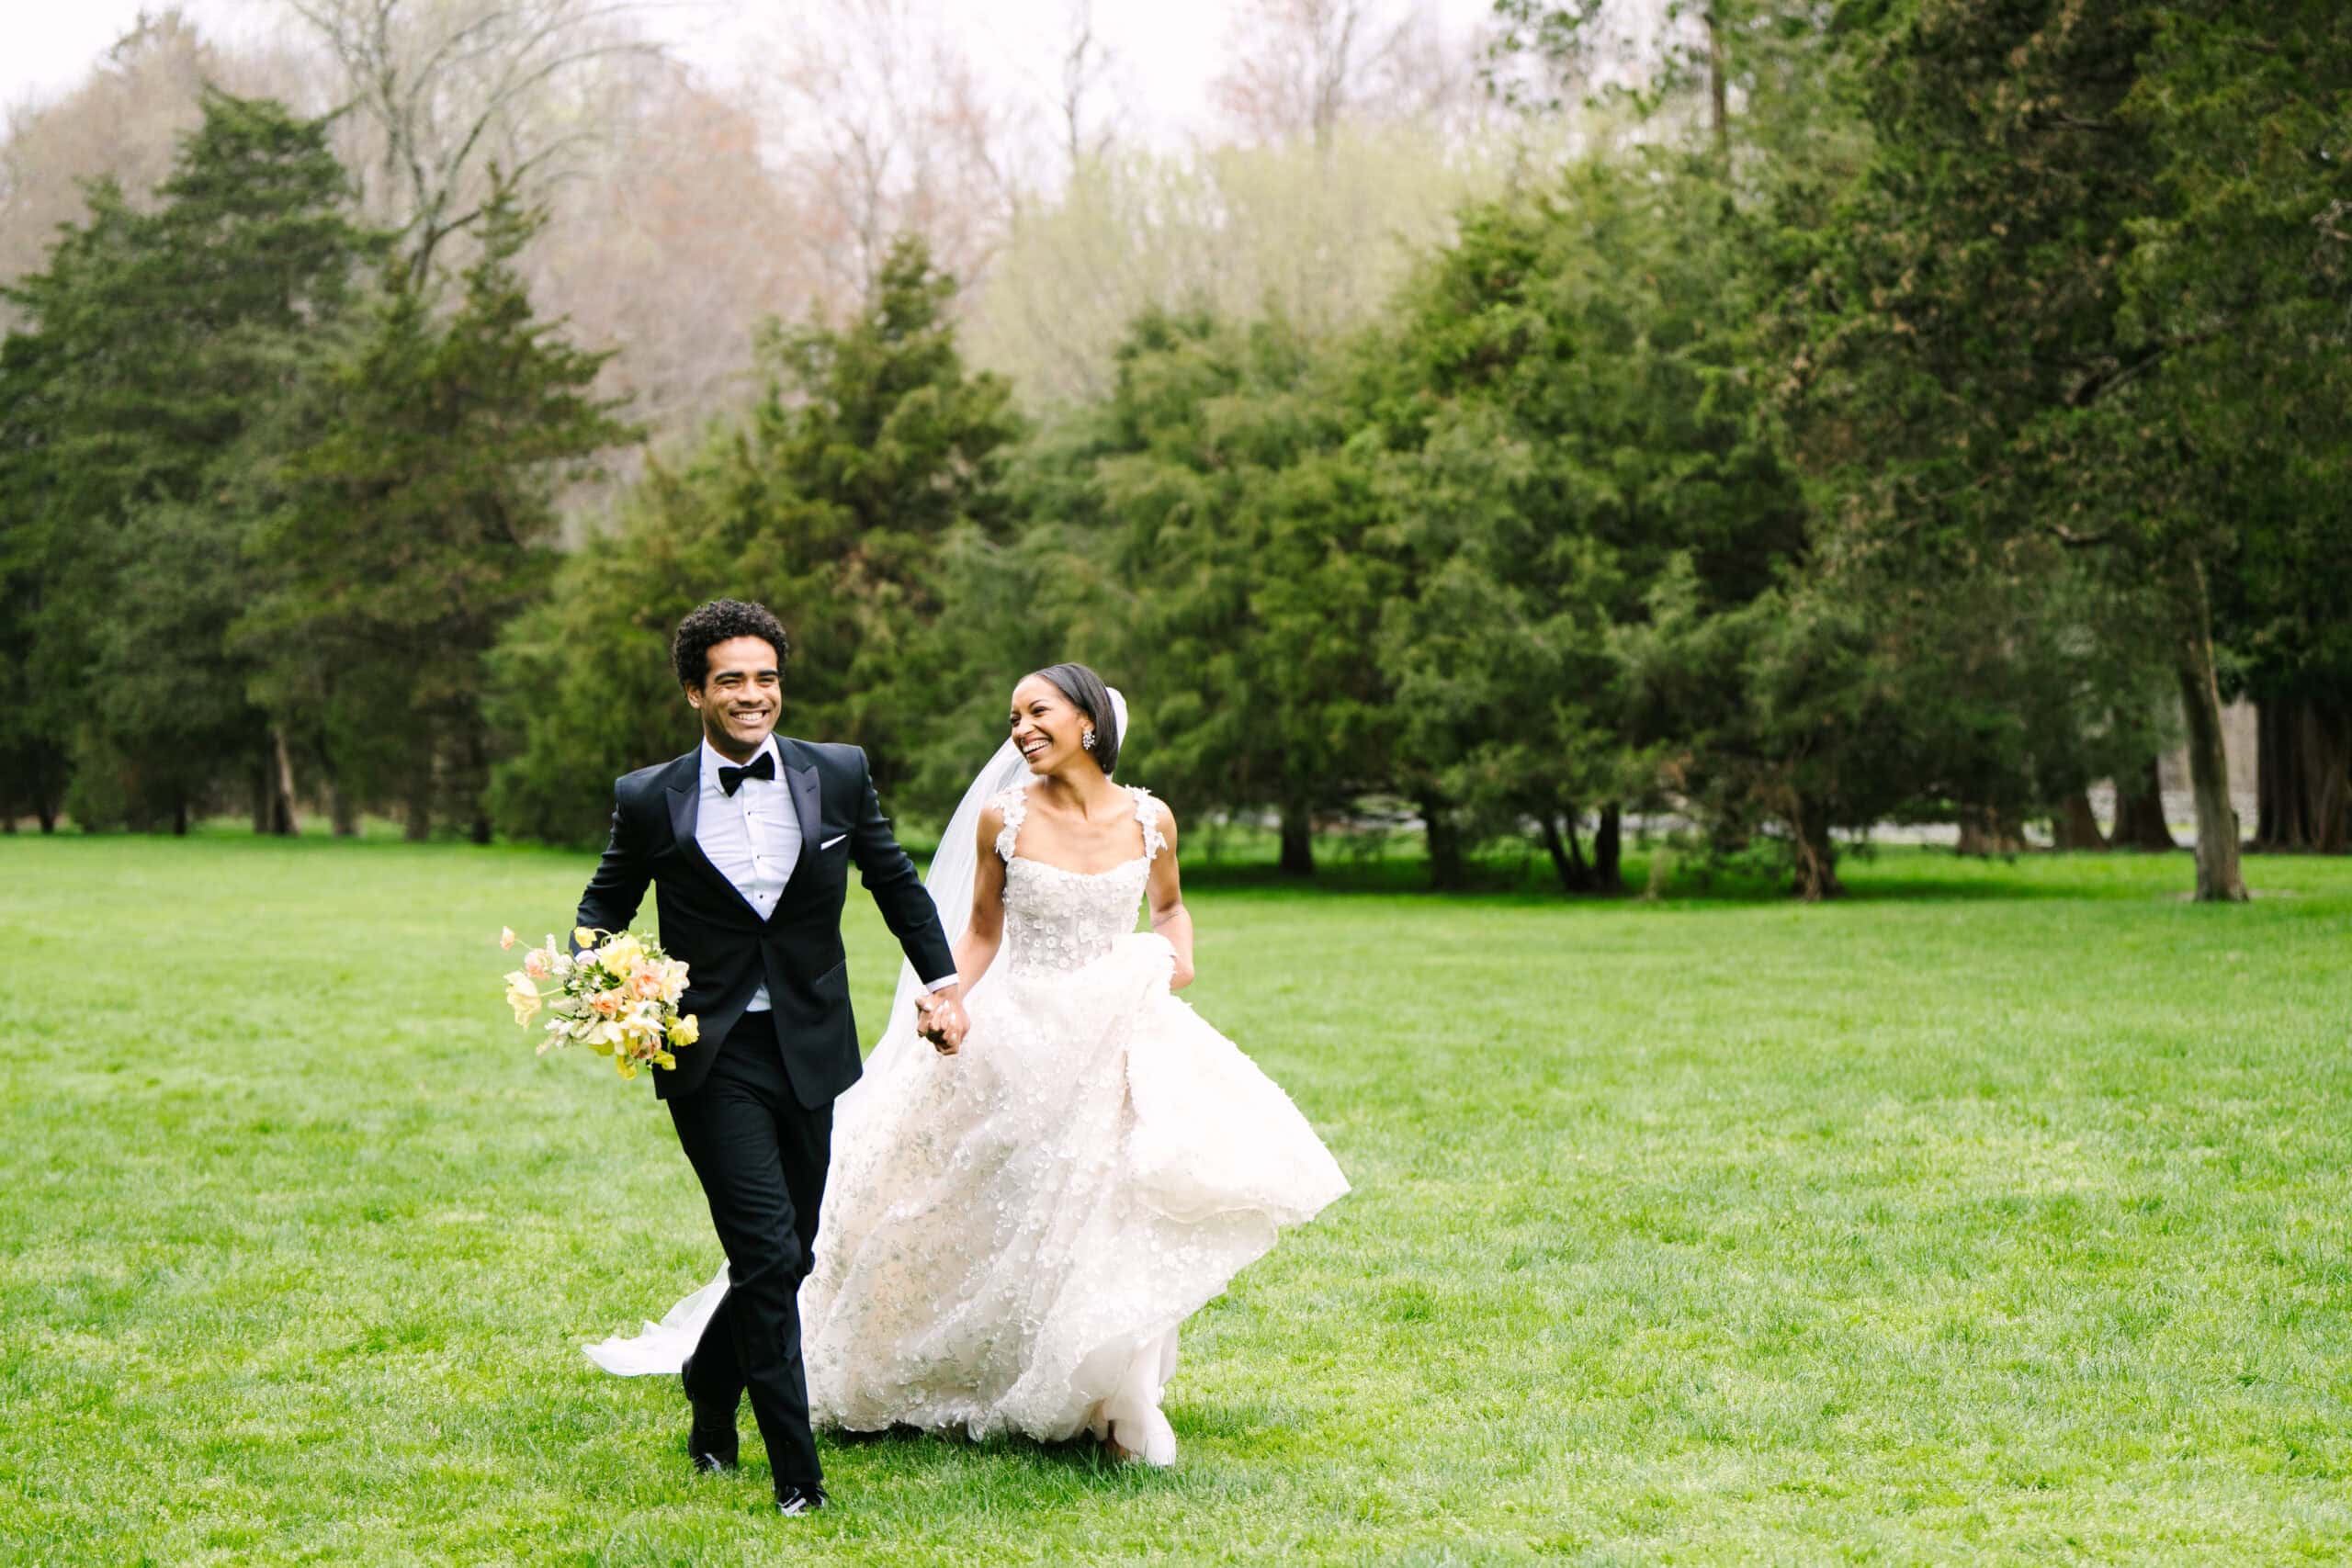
x,y
752,838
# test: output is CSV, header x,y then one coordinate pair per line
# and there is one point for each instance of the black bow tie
x,y
732,779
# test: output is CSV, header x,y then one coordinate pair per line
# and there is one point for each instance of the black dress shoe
x,y
711,1445
794,1501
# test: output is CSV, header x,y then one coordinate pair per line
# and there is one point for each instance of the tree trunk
x,y
1444,836
1298,841
1567,856
2218,881
1718,88
2275,781
1817,856
2140,814
1986,831
417,824
343,811
179,815
1609,850
2303,777
2075,825
288,823
477,788
2327,753
46,809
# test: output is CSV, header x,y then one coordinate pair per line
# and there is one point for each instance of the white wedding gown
x,y
1012,1235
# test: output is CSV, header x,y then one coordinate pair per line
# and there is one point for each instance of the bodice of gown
x,y
1057,920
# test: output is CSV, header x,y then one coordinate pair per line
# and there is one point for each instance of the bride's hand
x,y
943,1022
1180,973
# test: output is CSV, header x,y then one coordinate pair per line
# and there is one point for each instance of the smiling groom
x,y
747,842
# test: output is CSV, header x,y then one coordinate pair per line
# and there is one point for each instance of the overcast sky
x,y
1167,48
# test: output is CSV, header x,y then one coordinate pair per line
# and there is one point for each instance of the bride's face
x,y
1046,725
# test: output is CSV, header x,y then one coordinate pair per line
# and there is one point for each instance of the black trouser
x,y
762,1160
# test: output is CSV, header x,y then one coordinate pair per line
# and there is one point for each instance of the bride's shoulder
x,y
1009,803
1159,820
1001,818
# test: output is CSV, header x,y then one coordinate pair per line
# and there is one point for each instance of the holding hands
x,y
939,1018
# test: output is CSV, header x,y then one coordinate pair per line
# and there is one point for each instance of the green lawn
x,y
1999,1212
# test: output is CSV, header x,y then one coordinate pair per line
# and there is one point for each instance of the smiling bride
x,y
1016,1226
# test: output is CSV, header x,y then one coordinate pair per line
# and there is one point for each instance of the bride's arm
x,y
1169,916
976,949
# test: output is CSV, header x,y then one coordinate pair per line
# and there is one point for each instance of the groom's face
x,y
741,695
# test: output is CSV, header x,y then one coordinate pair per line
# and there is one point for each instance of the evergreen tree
x,y
1970,384
2242,278
1571,423
150,344
834,502
1241,528
415,521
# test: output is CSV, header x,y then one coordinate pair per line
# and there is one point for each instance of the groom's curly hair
x,y
715,623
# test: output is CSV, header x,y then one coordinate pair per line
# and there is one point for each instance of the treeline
x,y
1916,412
268,493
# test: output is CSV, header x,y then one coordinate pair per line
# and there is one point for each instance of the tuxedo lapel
x,y
685,811
808,805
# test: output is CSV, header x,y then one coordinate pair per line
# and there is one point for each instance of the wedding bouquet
x,y
619,999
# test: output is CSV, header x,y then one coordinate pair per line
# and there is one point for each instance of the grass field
x,y
1998,1212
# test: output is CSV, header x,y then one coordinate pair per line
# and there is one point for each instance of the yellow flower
x,y
664,1059
582,937
622,955
627,1069
522,996
686,1031
505,938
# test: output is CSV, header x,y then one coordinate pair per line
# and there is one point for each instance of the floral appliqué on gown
x,y
1012,1235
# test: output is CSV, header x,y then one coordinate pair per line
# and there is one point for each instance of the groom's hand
x,y
942,1019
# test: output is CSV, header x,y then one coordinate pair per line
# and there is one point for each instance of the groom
x,y
747,842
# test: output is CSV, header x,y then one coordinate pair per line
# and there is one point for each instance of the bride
x,y
1015,1229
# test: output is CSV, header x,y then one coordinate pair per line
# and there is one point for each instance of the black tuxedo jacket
x,y
728,949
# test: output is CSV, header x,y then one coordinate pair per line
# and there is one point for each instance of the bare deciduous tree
x,y
443,89
1088,69
123,121
1301,67
882,127
673,240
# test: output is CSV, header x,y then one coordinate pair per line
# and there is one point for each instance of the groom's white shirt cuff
x,y
939,985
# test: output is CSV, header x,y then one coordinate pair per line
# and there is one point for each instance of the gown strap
x,y
1147,811
1014,804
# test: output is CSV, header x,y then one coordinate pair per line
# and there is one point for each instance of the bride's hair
x,y
1086,692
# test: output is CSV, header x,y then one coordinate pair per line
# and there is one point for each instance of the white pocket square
x,y
829,844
